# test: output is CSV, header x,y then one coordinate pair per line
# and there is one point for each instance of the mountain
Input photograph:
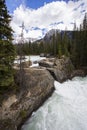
x,y
47,38
49,35
17,40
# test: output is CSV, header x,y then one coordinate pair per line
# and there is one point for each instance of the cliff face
x,y
36,87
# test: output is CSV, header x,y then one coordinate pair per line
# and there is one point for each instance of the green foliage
x,y
23,114
7,50
74,46
79,48
85,22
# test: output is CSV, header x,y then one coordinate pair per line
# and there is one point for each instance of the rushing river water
x,y
66,109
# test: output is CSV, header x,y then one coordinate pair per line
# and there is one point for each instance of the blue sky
x,y
12,5
40,16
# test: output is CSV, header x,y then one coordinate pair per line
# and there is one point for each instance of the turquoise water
x,y
66,109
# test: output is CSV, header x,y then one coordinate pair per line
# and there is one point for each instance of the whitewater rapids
x,y
66,109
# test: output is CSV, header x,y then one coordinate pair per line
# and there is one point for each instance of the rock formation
x,y
34,85
37,85
60,69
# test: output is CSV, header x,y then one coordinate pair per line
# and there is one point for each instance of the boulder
x,y
35,62
79,72
60,69
36,86
42,55
25,64
48,62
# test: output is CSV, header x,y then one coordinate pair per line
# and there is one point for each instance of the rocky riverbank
x,y
62,69
36,86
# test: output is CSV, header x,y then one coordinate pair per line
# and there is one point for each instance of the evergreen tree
x,y
85,22
41,47
65,42
79,45
7,51
54,44
59,44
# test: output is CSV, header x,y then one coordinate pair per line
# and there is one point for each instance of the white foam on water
x,y
66,109
32,58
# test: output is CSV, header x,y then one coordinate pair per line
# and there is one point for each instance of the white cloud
x,y
33,34
46,16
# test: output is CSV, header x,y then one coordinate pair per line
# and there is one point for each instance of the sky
x,y
40,16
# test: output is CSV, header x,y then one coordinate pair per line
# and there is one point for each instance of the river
x,y
66,109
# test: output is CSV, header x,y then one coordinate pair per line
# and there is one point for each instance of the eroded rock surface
x,y
34,86
60,69
37,85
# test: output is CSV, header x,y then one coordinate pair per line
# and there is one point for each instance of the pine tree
x,y
65,42
79,45
85,22
59,44
7,51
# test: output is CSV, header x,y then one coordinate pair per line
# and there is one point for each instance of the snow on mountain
x,y
51,32
18,40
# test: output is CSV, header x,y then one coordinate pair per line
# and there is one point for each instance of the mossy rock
x,y
23,114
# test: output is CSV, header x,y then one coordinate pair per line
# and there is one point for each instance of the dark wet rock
x,y
35,62
42,55
79,72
